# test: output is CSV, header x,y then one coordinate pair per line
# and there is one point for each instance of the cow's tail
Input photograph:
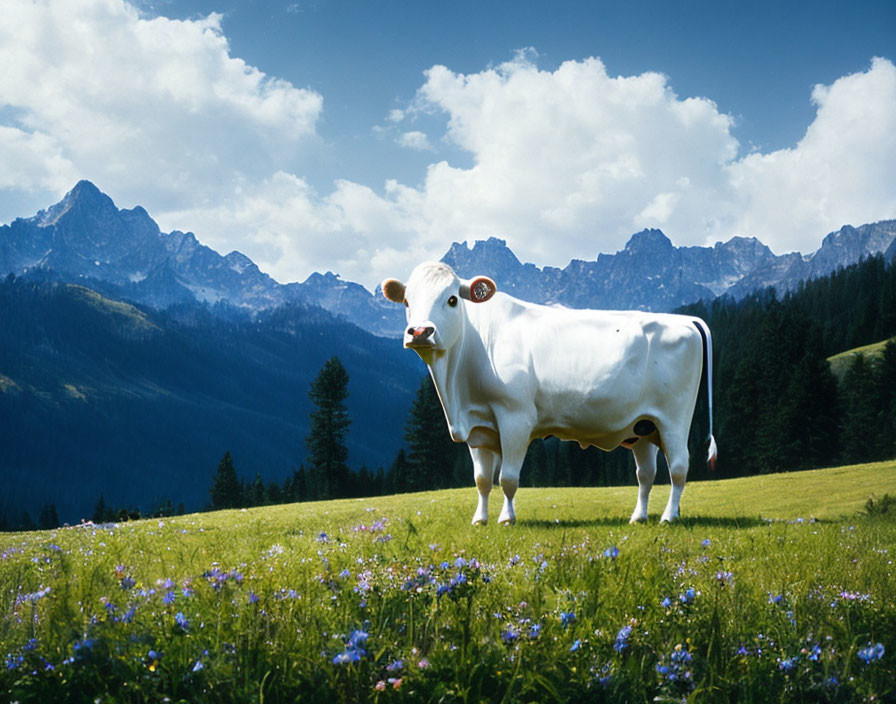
x,y
707,366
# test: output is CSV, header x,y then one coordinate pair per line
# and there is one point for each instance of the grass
x,y
774,588
840,362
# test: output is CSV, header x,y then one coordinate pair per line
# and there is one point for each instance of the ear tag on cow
x,y
479,290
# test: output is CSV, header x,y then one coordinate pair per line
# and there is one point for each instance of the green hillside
x,y
840,362
774,588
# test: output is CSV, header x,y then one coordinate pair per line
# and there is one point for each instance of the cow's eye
x,y
452,301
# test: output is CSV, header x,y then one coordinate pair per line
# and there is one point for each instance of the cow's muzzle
x,y
420,336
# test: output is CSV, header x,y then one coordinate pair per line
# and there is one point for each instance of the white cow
x,y
508,372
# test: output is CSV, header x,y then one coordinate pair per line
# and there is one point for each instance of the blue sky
x,y
360,137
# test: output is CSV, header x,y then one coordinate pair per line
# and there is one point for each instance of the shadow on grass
x,y
618,521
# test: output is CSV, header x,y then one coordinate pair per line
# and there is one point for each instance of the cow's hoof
x,y
479,521
507,520
637,519
667,519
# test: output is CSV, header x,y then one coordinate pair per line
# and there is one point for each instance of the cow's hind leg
x,y
511,462
677,457
485,465
645,462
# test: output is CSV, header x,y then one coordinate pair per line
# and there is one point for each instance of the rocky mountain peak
x,y
649,240
84,199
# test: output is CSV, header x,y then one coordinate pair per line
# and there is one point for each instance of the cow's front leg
x,y
485,462
645,462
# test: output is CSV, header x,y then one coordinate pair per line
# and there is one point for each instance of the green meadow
x,y
776,588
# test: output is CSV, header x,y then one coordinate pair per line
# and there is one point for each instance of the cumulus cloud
x,y
147,107
840,172
572,155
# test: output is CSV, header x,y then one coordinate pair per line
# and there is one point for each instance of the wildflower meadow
x,y
770,589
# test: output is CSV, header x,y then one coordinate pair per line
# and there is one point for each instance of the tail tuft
x,y
713,454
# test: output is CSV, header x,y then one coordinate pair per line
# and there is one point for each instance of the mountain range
x,y
86,239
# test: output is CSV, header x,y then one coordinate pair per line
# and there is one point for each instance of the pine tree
x,y
859,413
226,491
886,389
431,452
100,512
397,478
257,492
327,452
48,519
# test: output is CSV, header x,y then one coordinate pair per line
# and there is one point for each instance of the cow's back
x,y
586,371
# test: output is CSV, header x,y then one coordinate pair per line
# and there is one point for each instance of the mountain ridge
x,y
85,238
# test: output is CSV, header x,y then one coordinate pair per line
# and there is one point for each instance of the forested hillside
x,y
99,397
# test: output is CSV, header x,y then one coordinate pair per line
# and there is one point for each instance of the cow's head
x,y
435,298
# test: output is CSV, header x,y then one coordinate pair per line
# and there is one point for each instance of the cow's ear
x,y
478,290
393,289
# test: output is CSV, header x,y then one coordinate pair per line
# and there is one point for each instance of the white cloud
x,y
840,172
569,163
151,109
415,140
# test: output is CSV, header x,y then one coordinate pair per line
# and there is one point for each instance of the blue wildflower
x,y
575,646
353,648
181,620
509,635
395,666
357,638
787,664
706,543
666,602
347,657
688,596
872,653
622,639
612,552
567,617
168,598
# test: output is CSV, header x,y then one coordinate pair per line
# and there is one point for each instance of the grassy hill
x,y
840,362
774,588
